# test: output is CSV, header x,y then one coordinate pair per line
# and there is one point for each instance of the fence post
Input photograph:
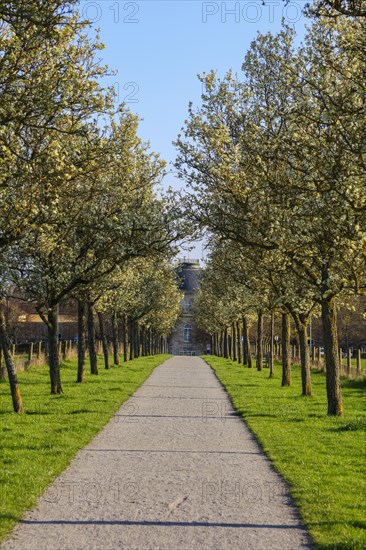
x,y
13,351
39,350
349,362
30,352
358,370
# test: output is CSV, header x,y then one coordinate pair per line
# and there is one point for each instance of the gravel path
x,y
175,469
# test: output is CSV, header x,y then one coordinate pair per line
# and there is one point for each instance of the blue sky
x,y
159,47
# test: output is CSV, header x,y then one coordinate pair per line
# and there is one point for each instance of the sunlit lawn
x,y
322,458
354,363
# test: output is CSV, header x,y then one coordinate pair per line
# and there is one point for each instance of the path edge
x,y
10,533
293,503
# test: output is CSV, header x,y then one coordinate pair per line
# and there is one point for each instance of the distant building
x,y
186,338
25,325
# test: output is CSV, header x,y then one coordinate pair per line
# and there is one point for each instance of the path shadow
x,y
169,451
204,419
162,524
177,386
204,398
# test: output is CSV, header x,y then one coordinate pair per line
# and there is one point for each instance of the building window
x,y
187,333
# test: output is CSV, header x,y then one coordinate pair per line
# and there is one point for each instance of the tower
x,y
186,338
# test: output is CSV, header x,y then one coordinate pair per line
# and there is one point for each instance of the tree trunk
x,y
245,341
247,354
114,323
153,343
260,341
233,342
329,321
286,350
125,338
142,332
53,348
81,341
229,348
103,337
131,333
225,344
10,367
239,347
137,336
222,343
301,327
271,348
149,341
92,344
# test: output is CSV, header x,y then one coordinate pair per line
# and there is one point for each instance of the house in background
x,y
25,325
186,338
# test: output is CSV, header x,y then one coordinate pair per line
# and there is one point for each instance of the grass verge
x,y
322,458
353,363
39,444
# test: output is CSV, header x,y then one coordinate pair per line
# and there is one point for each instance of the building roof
x,y
35,318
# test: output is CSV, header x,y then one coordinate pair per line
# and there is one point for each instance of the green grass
x,y
322,458
39,444
354,363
